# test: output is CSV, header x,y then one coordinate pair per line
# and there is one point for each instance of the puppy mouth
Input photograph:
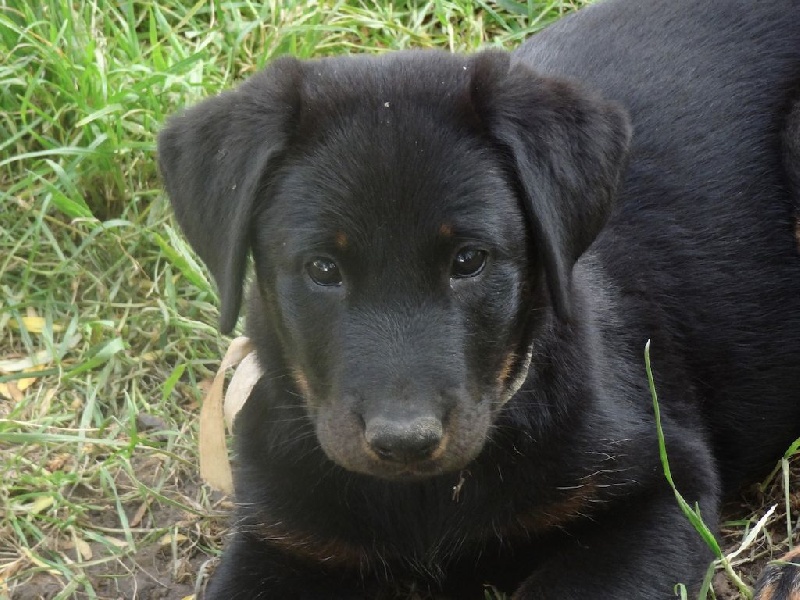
x,y
411,472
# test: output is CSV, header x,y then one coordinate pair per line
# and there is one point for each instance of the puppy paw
x,y
781,579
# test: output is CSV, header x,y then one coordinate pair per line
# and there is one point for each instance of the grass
x,y
724,560
102,302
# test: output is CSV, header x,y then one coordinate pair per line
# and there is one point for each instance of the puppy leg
x,y
252,569
781,579
641,551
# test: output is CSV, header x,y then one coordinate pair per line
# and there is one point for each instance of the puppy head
x,y
414,219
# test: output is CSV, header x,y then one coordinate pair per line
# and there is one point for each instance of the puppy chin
x,y
398,472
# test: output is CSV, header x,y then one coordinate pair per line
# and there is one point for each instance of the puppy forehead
x,y
411,176
390,144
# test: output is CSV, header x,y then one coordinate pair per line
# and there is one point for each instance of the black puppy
x,y
458,262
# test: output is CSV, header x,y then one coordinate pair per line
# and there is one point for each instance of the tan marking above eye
x,y
446,230
341,240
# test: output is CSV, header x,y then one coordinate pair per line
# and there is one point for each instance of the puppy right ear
x,y
213,159
565,146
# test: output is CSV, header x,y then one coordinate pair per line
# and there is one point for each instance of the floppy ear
x,y
567,150
213,158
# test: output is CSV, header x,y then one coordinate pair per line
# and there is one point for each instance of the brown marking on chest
x,y
329,551
576,504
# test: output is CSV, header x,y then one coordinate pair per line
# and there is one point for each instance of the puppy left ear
x,y
567,148
214,158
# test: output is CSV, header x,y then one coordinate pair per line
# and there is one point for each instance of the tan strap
x,y
242,383
215,466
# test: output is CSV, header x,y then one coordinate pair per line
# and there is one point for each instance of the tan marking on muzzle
x,y
302,383
505,370
367,449
509,388
441,448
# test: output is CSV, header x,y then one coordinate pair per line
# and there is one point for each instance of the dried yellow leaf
x,y
41,504
39,562
168,538
117,542
25,383
84,549
11,391
34,324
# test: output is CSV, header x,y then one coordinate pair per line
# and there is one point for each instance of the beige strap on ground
x,y
215,466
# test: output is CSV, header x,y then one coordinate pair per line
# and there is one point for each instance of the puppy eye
x,y
324,271
469,262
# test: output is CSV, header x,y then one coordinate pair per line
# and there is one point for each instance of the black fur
x,y
389,449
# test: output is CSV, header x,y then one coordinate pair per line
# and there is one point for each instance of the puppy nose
x,y
404,441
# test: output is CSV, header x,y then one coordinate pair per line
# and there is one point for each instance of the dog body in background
x,y
458,262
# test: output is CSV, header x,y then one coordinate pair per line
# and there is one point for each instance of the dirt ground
x,y
175,566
